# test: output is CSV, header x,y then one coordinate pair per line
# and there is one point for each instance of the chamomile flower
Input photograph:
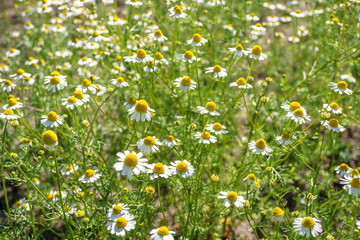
x,y
171,141
117,210
86,61
28,81
31,61
90,176
148,144
19,203
52,119
100,90
177,12
12,104
297,13
24,205
340,87
185,83
138,57
71,102
278,214
352,184
96,37
184,168
252,17
307,226
216,128
122,224
55,82
298,115
332,107
119,82
238,51
133,2
232,197
159,170
293,39
68,169
141,111
256,53
75,189
86,85
348,77
115,21
188,56
217,70
8,114
197,40
36,181
130,103
333,125
7,85
81,97
69,209
343,169
130,162
292,107
285,139
260,147
241,83
162,233
209,108
159,58
13,52
205,137
157,36
50,139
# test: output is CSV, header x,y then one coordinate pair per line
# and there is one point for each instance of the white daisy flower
x,y
52,119
81,97
333,107
343,169
86,85
69,209
238,51
36,181
22,205
141,111
119,82
138,57
28,81
148,144
115,21
185,83
55,195
76,43
260,147
256,53
269,5
90,176
231,197
340,87
7,85
250,179
68,169
162,233
184,168
8,114
75,189
298,115
334,21
31,61
160,58
302,31
188,56
117,210
71,102
285,139
55,82
241,83
13,52
177,12
133,2
297,13
285,19
209,108
12,104
252,17
292,106
157,36
205,137
122,224
86,61
171,141
217,70
96,37
333,124
130,162
216,128
307,226
293,39
278,213
348,77
49,139
130,103
197,40
159,170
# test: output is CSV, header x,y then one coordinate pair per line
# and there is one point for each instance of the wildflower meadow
x,y
169,119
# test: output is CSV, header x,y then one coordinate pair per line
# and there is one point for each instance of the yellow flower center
x,y
241,81
121,222
20,71
95,34
30,58
217,126
343,167
54,81
257,50
163,231
49,137
260,143
189,54
12,101
232,196
54,74
27,79
12,50
120,79
78,94
149,141
89,173
354,172
49,196
239,47
186,81
131,160
58,26
278,212
69,167
72,100
333,123
158,33
217,68
132,101
308,222
158,56
297,11
197,38
86,83
17,204
181,167
178,10
355,183
286,136
299,112
117,209
7,83
67,208
9,112
170,138
24,206
335,20
141,53
342,85
52,116
258,25
84,58
159,168
205,135
141,106
294,105
334,105
210,106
